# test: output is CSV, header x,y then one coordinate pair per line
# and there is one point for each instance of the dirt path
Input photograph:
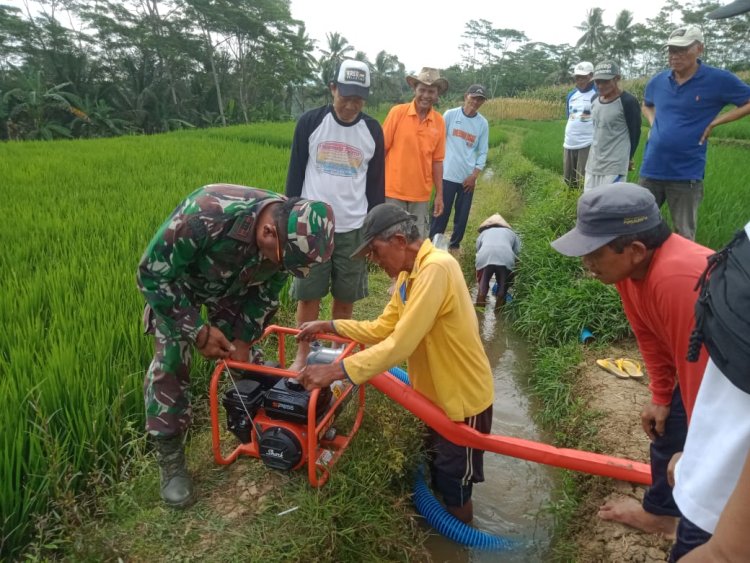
x,y
620,433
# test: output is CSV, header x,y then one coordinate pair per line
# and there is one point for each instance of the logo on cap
x,y
634,220
355,75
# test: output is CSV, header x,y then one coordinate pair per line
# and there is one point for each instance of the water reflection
x,y
510,502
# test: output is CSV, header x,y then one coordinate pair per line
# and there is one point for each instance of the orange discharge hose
x,y
463,435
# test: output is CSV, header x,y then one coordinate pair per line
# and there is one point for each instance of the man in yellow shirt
x,y
431,323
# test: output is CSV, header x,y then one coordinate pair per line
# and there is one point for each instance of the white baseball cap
x,y
584,68
685,36
353,78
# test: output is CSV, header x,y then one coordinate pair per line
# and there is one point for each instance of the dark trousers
x,y
689,536
453,192
503,278
658,499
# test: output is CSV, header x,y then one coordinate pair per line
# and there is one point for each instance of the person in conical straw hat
x,y
497,249
415,149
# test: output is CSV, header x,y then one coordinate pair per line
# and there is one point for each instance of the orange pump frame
x,y
310,436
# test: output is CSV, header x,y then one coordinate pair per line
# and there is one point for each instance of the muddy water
x,y
511,501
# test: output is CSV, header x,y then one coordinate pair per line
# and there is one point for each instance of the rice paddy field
x,y
726,203
76,217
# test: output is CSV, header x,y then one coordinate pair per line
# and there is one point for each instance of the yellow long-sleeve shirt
x,y
430,322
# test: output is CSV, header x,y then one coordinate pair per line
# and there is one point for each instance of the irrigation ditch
x,y
579,405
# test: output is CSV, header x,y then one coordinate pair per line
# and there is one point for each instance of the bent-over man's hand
x,y
308,330
653,419
316,376
214,345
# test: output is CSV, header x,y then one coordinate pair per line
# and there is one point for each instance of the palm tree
x,y
387,78
338,49
594,31
622,45
304,65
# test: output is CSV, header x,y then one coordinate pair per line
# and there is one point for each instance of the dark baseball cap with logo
x,y
606,70
607,212
381,217
477,91
353,78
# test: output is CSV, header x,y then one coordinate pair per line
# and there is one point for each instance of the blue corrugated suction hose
x,y
439,518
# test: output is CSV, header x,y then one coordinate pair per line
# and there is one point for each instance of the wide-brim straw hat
x,y
429,77
495,220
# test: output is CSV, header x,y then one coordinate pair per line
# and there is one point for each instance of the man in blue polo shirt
x,y
682,105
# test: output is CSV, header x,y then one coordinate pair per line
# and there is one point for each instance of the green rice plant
x,y
78,216
726,205
273,134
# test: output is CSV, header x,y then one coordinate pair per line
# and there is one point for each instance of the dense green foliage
x,y
86,68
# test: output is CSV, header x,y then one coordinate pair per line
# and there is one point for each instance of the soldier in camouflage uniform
x,y
229,248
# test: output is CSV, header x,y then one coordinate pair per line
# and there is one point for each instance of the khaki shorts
x,y
419,208
346,278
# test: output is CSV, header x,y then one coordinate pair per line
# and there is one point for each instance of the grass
x,y
78,216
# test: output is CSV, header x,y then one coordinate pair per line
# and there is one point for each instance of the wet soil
x,y
620,401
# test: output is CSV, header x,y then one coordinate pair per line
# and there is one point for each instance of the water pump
x,y
276,419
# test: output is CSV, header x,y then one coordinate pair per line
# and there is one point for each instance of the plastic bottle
x,y
440,241
320,354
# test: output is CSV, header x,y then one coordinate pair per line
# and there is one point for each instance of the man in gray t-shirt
x,y
617,129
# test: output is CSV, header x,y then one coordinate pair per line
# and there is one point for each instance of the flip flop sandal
x,y
631,367
612,366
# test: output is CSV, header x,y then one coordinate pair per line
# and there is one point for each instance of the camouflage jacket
x,y
205,254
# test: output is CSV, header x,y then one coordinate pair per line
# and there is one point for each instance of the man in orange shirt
x,y
415,149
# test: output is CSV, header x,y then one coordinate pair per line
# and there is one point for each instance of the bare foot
x,y
630,512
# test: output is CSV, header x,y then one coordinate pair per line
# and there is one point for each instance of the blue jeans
x,y
689,536
658,499
453,191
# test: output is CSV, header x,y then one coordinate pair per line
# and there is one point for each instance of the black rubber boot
x,y
176,483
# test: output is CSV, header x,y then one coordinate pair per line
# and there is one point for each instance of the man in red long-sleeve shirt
x,y
623,240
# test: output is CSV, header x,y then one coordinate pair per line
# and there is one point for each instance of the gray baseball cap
x,y
380,218
607,212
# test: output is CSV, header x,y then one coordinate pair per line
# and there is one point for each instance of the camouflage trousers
x,y
166,387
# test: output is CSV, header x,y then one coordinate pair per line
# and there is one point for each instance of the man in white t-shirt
x,y
579,131
718,440
338,156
